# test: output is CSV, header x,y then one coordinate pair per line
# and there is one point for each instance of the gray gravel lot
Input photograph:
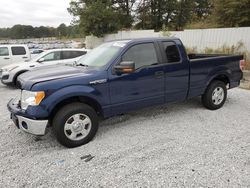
x,y
178,145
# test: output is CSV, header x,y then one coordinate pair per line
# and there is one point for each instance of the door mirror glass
x,y
124,67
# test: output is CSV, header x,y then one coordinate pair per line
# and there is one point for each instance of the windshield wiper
x,y
84,65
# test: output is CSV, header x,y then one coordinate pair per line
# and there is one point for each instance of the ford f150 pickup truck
x,y
115,78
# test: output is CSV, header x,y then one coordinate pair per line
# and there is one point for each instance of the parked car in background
x,y
49,57
118,77
35,52
13,53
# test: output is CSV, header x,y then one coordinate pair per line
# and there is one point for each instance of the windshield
x,y
101,55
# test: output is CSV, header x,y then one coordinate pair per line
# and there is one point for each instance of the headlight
x,y
31,98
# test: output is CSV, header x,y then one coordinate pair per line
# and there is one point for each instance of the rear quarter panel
x,y
203,71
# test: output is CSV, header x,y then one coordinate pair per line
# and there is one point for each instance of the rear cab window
x,y
4,51
141,54
171,52
18,50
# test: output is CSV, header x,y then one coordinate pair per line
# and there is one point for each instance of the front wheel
x,y
215,95
75,124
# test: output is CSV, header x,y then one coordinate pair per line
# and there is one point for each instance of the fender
x,y
218,71
72,91
18,74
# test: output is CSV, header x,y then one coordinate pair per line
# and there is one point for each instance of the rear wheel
x,y
75,124
215,95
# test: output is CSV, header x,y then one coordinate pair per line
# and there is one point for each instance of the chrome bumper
x,y
35,127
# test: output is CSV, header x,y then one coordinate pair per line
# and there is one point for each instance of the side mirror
x,y
124,67
41,60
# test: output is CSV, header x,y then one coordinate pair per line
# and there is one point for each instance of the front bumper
x,y
32,126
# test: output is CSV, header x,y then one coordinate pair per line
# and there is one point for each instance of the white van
x,y
13,53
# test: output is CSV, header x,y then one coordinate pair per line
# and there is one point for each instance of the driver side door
x,y
141,88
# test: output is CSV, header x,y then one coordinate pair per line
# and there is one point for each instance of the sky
x,y
34,12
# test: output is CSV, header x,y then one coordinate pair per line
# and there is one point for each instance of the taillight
x,y
242,63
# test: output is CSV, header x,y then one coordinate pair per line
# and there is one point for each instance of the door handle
x,y
159,74
6,58
25,57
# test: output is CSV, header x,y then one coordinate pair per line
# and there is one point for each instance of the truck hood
x,y
48,73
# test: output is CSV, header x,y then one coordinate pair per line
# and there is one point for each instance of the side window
x,y
72,54
52,56
141,55
80,53
18,50
67,54
172,52
4,51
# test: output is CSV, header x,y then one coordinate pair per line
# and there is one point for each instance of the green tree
x,y
183,13
232,13
95,17
144,16
62,30
155,14
202,8
17,32
27,31
124,9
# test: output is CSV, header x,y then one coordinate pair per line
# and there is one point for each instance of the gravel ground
x,y
178,145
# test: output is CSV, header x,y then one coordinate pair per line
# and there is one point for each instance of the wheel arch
x,y
221,73
221,77
18,74
82,99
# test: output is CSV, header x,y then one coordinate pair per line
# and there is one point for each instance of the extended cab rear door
x,y
176,70
143,87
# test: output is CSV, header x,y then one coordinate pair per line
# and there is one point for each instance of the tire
x,y
15,83
75,124
215,95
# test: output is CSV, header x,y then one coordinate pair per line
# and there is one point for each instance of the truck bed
x,y
202,66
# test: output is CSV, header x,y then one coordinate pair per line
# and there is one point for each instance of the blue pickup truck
x,y
115,78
